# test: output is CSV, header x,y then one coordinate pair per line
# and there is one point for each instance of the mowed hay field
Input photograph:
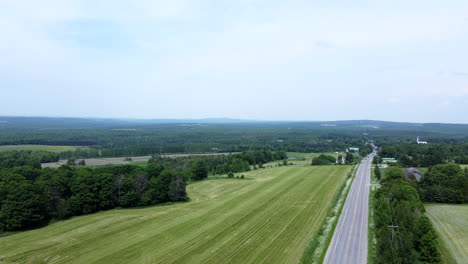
x,y
451,222
56,149
269,217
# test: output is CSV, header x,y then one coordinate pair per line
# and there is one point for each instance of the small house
x,y
413,172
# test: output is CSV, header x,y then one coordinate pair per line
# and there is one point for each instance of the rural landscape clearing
x,y
269,217
233,132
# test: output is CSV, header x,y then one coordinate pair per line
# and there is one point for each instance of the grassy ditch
x,y
317,247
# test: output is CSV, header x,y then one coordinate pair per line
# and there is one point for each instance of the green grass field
x,y
299,158
56,149
451,222
267,218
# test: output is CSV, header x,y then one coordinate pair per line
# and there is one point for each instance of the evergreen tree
x,y
377,172
199,171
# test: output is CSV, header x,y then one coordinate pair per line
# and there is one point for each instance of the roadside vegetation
x,y
404,234
376,175
440,180
317,247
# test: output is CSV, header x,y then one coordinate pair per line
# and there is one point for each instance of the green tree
x,y
426,241
444,183
323,160
20,204
405,161
199,171
71,161
377,172
176,190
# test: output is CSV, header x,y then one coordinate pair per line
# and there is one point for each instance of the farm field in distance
x,y
56,149
269,217
299,158
451,222
138,160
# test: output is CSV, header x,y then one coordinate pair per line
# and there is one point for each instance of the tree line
x,y
31,197
10,159
444,183
219,164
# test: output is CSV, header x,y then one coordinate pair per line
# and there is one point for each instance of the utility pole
x,y
393,231
393,242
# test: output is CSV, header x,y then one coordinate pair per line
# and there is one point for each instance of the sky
x,y
263,60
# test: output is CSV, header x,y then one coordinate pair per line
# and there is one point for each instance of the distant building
x,y
352,150
420,142
389,160
341,160
413,171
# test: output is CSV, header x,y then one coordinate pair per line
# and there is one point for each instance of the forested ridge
x,y
122,138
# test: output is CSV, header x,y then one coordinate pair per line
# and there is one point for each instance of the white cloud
x,y
287,52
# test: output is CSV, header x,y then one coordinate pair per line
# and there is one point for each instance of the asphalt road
x,y
349,242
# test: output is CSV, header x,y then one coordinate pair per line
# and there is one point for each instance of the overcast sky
x,y
267,60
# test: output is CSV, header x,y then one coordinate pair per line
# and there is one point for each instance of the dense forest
x,y
10,159
123,138
31,197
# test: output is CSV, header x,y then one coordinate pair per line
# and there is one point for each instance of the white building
x,y
420,142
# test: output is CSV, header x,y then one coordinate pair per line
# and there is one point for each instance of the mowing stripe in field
x,y
267,218
451,222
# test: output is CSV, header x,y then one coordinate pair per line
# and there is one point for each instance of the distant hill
x,y
9,123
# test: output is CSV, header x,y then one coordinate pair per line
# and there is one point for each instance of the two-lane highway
x,y
349,242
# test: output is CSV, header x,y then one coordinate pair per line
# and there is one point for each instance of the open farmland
x,y
267,218
56,149
451,222
122,160
299,158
